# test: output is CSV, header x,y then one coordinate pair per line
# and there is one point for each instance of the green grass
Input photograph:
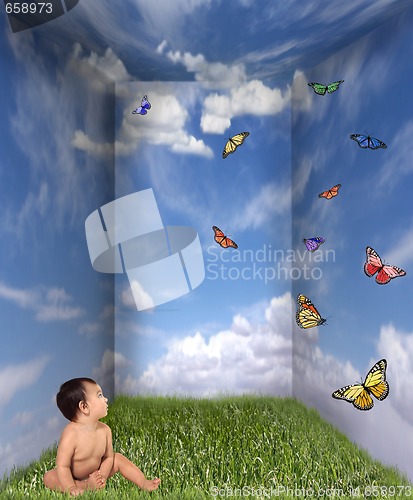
x,y
237,444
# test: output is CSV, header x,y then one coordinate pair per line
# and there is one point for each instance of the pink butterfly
x,y
385,272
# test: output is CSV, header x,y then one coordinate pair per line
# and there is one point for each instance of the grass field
x,y
245,447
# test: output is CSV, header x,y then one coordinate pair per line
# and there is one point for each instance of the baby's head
x,y
72,393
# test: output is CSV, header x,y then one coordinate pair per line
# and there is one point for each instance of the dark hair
x,y
71,393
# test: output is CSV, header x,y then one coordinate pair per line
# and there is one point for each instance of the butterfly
x,y
233,143
365,141
385,272
360,394
222,240
321,89
330,193
307,315
313,244
145,105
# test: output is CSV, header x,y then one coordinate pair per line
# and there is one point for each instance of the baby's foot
x,y
151,484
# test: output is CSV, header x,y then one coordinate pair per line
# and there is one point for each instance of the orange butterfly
x,y
307,315
330,193
222,240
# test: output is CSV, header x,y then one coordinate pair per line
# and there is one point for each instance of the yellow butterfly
x,y
307,315
360,394
233,143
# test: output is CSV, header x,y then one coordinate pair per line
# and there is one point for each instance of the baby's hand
x,y
96,481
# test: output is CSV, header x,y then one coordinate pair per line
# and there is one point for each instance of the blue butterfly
x,y
365,141
313,244
145,105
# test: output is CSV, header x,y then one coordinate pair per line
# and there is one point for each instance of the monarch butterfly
x,y
331,193
374,264
145,105
307,315
321,89
360,394
222,240
313,244
233,143
365,141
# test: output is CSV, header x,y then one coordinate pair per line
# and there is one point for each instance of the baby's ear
x,y
83,405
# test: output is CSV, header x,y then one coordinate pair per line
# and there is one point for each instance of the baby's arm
x,y
107,459
65,452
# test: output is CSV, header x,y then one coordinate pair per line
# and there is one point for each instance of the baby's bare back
x,y
89,449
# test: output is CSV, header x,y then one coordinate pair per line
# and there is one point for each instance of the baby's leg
x,y
51,481
132,473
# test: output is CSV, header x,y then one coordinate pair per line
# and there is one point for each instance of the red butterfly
x,y
222,240
385,272
330,193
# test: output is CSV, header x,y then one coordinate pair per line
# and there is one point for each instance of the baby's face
x,y
96,401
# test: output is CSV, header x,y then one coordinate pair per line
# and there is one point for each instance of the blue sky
x,y
70,144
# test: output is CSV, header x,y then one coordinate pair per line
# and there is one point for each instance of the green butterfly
x,y
321,89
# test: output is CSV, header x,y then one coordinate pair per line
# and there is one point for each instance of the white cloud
x,y
93,65
48,303
106,375
253,98
166,17
30,444
56,306
82,142
397,347
272,199
212,74
104,324
23,418
247,357
161,47
399,165
18,377
164,125
301,98
54,103
138,296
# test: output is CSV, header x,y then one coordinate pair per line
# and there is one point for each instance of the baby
x,y
85,457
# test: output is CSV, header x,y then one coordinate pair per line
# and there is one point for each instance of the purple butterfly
x,y
145,105
313,243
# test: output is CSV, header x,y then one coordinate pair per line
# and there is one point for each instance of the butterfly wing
x,y
145,103
139,111
313,244
331,193
355,394
387,273
365,141
222,240
227,242
362,140
218,234
307,315
334,86
375,382
318,88
233,143
374,143
373,262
